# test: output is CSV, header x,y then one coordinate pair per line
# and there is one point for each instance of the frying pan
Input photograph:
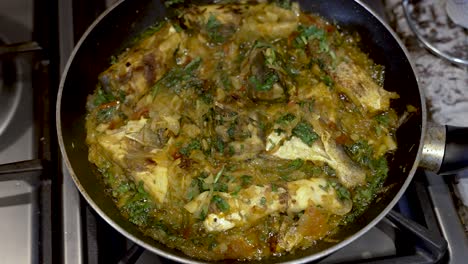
x,y
118,26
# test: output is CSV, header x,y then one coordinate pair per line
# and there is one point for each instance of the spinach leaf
x,y
305,132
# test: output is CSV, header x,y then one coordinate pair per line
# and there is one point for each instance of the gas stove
x,y
45,218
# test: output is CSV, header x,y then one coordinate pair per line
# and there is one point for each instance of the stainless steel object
x,y
427,43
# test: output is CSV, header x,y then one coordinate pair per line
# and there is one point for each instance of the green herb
x,y
218,175
274,187
270,79
341,191
236,190
138,206
292,165
219,144
383,119
102,97
246,180
364,195
313,32
194,189
192,145
307,105
270,56
217,31
113,59
220,187
306,33
231,131
231,150
327,80
169,3
150,30
329,171
220,203
179,78
203,213
285,118
305,132
177,27
360,152
286,4
324,188
106,114
263,201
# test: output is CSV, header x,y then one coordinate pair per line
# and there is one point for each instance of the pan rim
x,y
178,258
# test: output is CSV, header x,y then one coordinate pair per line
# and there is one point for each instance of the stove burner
x,y
10,89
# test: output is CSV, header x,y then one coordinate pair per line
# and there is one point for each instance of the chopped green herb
x,y
263,201
285,118
274,187
220,187
169,3
138,206
305,33
329,171
113,60
292,165
179,78
149,31
219,144
106,114
270,79
305,132
102,97
220,203
246,180
217,31
341,191
192,145
383,119
286,4
327,80
360,152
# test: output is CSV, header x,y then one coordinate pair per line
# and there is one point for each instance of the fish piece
x,y
324,150
256,202
154,178
361,88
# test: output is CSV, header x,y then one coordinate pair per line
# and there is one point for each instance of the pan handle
x,y
445,149
456,150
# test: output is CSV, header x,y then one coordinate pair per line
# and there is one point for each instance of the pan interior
x,y
115,30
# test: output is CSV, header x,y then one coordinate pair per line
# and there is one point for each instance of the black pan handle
x,y
445,149
456,150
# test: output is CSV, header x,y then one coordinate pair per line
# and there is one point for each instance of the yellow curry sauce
x,y
242,131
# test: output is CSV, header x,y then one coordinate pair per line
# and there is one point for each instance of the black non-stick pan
x,y
117,27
